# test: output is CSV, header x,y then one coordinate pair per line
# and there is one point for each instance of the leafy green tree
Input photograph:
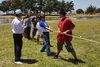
x,y
5,6
24,5
42,5
63,4
97,10
50,5
16,4
57,5
79,11
28,4
69,6
91,9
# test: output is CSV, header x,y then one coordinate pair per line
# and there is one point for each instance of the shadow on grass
x,y
53,53
41,43
73,60
29,61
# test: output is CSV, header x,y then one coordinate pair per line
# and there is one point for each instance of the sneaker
x,y
28,38
55,57
76,61
42,50
18,62
48,54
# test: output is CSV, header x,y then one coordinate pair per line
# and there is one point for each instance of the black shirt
x,y
35,20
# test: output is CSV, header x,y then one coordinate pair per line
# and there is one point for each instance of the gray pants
x,y
68,46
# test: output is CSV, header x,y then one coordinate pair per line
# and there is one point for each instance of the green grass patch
x,y
88,52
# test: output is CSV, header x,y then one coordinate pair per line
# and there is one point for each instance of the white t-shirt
x,y
39,28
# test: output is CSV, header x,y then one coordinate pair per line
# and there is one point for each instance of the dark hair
x,y
39,17
27,15
17,15
63,13
62,10
36,11
42,16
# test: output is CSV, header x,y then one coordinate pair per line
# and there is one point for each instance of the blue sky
x,y
1,0
83,4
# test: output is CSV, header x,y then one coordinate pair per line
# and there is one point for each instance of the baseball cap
x,y
18,11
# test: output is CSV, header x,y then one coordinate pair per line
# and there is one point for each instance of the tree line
x,y
48,6
45,6
89,10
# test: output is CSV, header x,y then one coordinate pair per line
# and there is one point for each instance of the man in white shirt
x,y
17,30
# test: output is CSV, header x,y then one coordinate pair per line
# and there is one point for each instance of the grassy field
x,y
87,52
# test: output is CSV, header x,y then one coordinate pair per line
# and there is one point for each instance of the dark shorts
x,y
68,46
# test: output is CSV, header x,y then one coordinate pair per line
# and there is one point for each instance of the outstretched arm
x,y
49,29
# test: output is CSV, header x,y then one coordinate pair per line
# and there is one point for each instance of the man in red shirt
x,y
65,26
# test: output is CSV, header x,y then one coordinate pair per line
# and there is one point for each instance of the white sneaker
x,y
18,62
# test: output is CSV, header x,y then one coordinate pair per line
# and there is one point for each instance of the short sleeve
x,y
71,23
43,24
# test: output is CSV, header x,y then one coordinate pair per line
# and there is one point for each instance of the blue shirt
x,y
43,26
28,22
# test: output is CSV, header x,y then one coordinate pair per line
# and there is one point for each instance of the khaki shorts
x,y
39,32
68,46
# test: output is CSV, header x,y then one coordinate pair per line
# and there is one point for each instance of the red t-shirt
x,y
64,25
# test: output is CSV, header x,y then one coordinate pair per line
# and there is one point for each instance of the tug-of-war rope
x,y
80,38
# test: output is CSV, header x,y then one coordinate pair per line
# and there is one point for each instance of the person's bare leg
x,y
74,54
38,39
58,52
32,37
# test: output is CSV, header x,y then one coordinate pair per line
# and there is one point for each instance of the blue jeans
x,y
46,42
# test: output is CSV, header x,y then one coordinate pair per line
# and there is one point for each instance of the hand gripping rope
x,y
81,38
